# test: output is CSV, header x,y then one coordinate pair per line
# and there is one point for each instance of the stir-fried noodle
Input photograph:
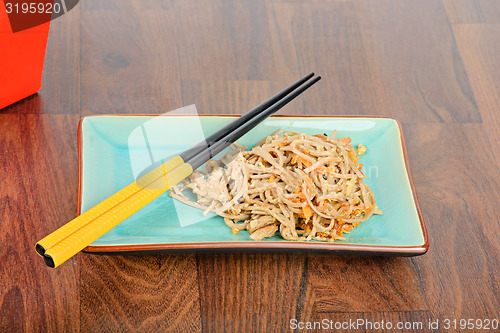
x,y
307,186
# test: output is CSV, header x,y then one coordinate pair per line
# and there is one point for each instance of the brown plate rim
x,y
266,246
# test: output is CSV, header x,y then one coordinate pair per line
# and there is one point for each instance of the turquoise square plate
x,y
113,150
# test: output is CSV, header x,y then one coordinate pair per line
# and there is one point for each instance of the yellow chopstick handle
x,y
105,205
77,241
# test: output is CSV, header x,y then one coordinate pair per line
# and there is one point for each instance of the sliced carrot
x,y
321,169
304,161
345,140
307,211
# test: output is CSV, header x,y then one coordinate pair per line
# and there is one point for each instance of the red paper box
x,y
21,59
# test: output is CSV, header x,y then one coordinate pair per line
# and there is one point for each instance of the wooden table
x,y
433,65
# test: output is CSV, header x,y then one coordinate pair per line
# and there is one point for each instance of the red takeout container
x,y
21,59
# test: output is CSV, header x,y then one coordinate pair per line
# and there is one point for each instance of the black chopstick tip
x,y
49,261
212,139
313,81
40,249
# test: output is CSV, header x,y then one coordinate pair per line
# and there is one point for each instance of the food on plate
x,y
305,186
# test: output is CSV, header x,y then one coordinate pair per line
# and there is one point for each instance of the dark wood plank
x,y
457,183
479,47
223,40
38,193
472,11
232,97
315,37
61,77
249,292
311,1
139,294
413,62
150,82
123,5
463,11
129,63
30,105
490,10
361,284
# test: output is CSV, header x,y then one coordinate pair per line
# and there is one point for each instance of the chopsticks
x,y
73,237
224,142
220,134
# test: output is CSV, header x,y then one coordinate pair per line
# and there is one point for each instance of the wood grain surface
x,y
432,64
